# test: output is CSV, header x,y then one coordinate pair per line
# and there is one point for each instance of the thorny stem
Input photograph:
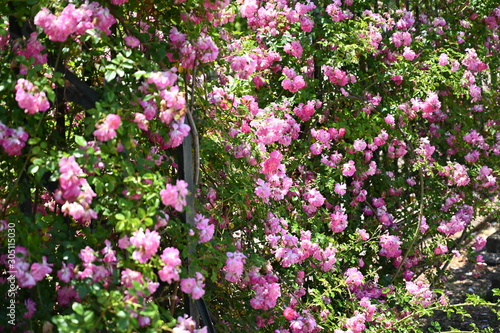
x,y
194,131
417,230
172,298
459,305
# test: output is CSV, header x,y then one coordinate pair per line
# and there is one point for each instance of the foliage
x,y
340,150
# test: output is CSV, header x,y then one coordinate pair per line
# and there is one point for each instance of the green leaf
x,y
88,316
78,308
80,141
139,74
123,324
33,141
109,76
33,169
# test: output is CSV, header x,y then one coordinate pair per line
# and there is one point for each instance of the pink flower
x,y
409,54
472,62
206,230
389,119
440,249
13,140
131,41
290,313
163,80
363,234
475,93
401,38
194,286
87,255
175,196
106,130
129,276
123,242
397,79
29,98
306,23
390,246
472,157
431,104
74,20
443,59
336,13
349,169
294,85
356,324
187,325
314,197
177,133
338,220
305,112
316,148
170,272
25,279
266,295
30,308
65,274
272,163
294,48
340,188
108,252
336,76
421,293
354,277
66,294
234,266
359,145
244,65
206,48
479,244
39,271
147,244
457,175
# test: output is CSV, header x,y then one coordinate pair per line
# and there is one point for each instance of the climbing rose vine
x,y
255,165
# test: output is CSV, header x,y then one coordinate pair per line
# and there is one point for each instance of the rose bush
x,y
339,150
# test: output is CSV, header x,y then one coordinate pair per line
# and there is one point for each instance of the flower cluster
x,y
267,291
30,98
107,130
187,325
234,266
74,193
178,131
292,82
194,286
390,246
33,50
338,76
421,292
204,49
12,140
170,272
205,229
316,146
74,21
147,244
27,274
175,196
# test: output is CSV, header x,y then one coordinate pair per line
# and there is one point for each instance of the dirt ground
x,y
462,281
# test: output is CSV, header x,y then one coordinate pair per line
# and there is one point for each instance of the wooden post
x,y
186,173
